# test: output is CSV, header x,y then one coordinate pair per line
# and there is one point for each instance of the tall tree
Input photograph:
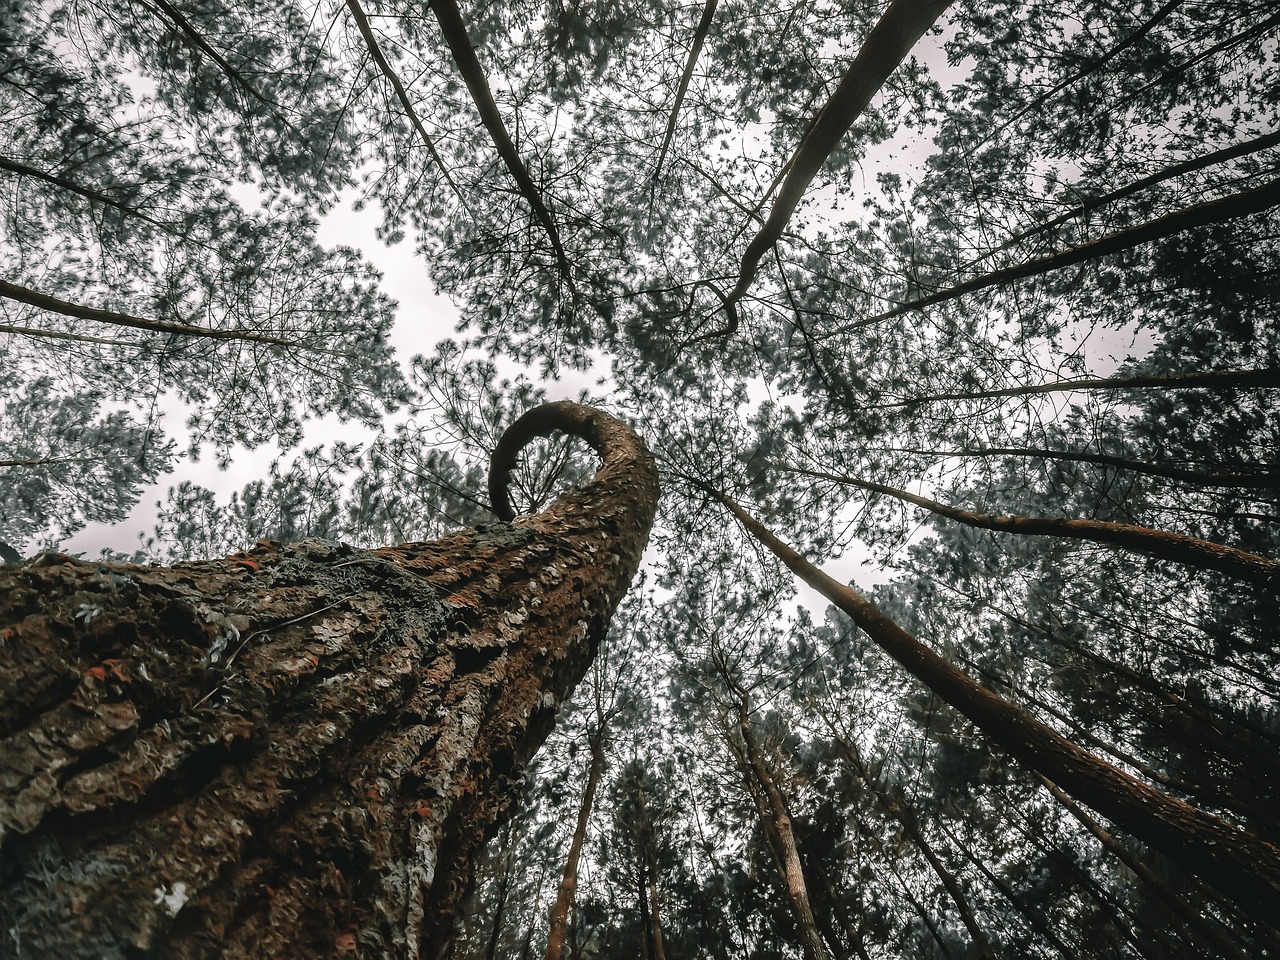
x,y
298,750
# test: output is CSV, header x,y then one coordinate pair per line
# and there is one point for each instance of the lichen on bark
x,y
295,751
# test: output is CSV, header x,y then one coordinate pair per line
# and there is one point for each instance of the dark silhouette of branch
x,y
1176,547
25,170
1160,176
1209,379
889,42
375,51
1152,22
169,11
699,38
59,335
454,32
54,305
1260,478
1213,211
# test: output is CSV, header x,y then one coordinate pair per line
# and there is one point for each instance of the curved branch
x,y
621,451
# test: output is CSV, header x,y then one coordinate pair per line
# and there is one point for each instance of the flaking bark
x,y
295,751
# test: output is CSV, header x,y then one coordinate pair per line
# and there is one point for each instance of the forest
x,y
951,327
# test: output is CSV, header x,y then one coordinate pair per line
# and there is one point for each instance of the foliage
x,y
1037,195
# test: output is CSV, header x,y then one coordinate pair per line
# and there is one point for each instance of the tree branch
x,y
1213,211
375,51
884,49
454,32
54,305
1176,547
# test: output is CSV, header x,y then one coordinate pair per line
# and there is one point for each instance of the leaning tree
x,y
296,751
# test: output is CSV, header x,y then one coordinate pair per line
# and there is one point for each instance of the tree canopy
x,y
972,303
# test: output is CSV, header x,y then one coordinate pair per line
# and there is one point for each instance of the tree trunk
x,y
775,819
907,820
1232,859
298,750
569,883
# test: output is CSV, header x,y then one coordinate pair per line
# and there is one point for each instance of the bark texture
x,y
295,751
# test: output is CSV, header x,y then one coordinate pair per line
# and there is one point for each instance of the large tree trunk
x,y
298,750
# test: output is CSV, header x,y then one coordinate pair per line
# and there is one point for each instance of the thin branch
x,y
54,305
884,49
25,170
1213,211
699,38
183,24
1176,547
1160,176
1154,21
1209,379
59,335
1258,479
375,51
454,32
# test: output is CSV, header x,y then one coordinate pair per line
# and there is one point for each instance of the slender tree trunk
x,y
569,883
1242,204
1177,547
1037,920
1234,860
903,23
911,827
500,909
296,751
776,821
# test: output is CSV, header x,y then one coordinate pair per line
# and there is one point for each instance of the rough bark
x,y
295,751
1235,861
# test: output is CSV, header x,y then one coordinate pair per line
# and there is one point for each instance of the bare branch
x,y
454,32
54,305
375,51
